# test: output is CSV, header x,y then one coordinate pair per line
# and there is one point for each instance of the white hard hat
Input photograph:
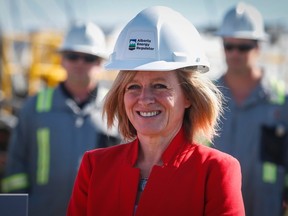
x,y
158,38
86,38
243,21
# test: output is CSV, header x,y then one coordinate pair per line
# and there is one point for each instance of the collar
x,y
177,152
259,93
67,93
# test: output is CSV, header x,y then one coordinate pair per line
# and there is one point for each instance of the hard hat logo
x,y
132,44
141,45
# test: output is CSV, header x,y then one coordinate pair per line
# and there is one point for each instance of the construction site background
x,y
30,61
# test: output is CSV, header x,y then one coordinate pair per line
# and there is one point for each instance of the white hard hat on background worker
x,y
86,38
244,22
154,40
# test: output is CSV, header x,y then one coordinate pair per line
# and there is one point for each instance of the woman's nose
x,y
146,96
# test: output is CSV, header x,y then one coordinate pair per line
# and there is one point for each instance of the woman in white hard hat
x,y
164,105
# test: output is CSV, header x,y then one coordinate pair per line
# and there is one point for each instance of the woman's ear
x,y
187,103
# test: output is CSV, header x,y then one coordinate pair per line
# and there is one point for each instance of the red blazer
x,y
194,180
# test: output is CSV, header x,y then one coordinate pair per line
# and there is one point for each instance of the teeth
x,y
149,114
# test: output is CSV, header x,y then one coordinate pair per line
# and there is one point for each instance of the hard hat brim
x,y
154,66
244,35
84,49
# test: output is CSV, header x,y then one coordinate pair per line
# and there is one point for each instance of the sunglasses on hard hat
x,y
240,47
85,57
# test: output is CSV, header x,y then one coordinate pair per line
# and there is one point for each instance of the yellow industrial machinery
x,y
45,63
28,62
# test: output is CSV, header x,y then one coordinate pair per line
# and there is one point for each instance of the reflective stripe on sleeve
x,y
14,182
43,162
279,90
269,172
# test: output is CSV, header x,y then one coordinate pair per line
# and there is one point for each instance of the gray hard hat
x,y
86,38
243,21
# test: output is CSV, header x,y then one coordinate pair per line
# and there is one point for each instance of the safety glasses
x,y
239,47
85,57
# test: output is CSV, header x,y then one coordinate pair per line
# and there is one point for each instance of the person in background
x,y
59,124
164,104
254,125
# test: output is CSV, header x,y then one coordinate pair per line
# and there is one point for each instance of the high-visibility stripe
x,y
43,162
15,182
44,100
279,89
269,172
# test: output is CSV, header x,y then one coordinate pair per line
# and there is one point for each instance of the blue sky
x,y
24,15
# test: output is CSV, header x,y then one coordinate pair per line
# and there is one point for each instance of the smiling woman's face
x,y
155,103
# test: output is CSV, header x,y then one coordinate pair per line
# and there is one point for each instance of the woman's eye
x,y
159,86
132,87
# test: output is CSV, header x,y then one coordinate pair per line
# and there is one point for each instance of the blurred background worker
x,y
254,125
58,125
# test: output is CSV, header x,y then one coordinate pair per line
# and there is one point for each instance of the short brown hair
x,y
200,119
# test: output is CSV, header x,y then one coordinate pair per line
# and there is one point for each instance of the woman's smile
x,y
149,114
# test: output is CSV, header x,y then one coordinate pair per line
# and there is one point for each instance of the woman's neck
x,y
151,150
